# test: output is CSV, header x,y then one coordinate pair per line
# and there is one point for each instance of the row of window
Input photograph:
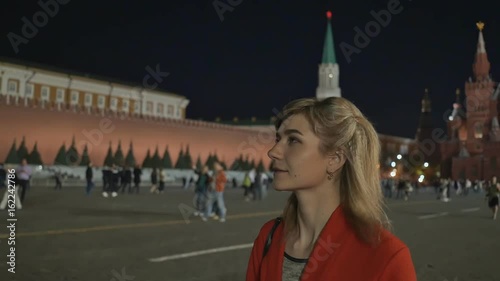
x,y
88,100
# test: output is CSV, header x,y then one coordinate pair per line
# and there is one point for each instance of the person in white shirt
x,y
23,176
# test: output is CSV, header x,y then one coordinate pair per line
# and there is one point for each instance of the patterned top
x,y
292,268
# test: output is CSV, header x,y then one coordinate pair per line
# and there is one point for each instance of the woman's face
x,y
298,163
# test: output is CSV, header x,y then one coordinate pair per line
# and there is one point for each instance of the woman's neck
x,y
315,207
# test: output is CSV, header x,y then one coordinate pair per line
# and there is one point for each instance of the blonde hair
x,y
340,125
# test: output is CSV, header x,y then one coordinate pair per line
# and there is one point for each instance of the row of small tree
x,y
16,154
71,157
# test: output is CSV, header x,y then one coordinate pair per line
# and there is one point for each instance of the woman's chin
x,y
281,187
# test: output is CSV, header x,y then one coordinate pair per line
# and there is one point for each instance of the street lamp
x,y
421,178
399,156
426,164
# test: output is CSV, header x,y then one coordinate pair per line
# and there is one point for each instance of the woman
x,y
333,225
492,194
154,181
163,178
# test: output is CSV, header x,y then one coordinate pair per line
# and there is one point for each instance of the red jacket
x,y
220,181
338,255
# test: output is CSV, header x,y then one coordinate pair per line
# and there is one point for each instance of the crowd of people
x,y
209,186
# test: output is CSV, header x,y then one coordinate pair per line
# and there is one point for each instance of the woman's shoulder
x,y
268,226
385,246
263,234
390,242
389,258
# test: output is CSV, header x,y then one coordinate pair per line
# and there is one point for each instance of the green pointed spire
x,y
329,46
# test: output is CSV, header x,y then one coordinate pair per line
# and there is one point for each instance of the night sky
x,y
265,53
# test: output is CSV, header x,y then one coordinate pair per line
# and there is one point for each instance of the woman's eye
x,y
292,140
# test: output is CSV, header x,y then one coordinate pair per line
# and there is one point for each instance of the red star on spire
x,y
329,14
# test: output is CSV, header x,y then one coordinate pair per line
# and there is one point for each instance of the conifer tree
x,y
22,151
147,160
155,160
188,160
180,159
61,156
238,164
199,166
85,157
166,160
34,157
72,157
109,160
130,159
210,161
215,158
12,157
119,158
260,166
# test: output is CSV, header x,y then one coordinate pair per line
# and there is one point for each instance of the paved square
x,y
64,235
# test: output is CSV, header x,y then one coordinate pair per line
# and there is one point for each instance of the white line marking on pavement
x,y
470,210
199,253
433,216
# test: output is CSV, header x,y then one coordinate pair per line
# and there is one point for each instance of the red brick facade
x,y
51,128
473,147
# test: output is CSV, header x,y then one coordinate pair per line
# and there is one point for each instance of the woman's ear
x,y
336,161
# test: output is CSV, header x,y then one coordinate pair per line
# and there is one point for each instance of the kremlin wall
x,y
49,108
50,128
